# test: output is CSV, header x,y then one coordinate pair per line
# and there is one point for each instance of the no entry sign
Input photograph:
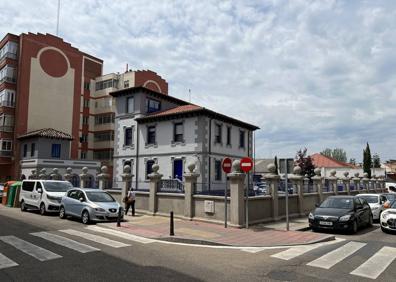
x,y
226,165
246,164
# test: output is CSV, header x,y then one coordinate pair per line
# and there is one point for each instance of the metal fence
x,y
171,186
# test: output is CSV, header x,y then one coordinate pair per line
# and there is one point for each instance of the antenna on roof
x,y
57,19
189,95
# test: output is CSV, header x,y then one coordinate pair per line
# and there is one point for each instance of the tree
x,y
276,164
337,154
305,162
367,163
376,161
352,161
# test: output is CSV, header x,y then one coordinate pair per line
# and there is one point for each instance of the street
x,y
45,248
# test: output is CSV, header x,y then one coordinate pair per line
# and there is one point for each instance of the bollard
x,y
172,226
119,218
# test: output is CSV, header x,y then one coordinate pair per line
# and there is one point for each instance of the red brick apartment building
x,y
45,82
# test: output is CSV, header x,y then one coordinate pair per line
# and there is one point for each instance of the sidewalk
x,y
157,227
295,224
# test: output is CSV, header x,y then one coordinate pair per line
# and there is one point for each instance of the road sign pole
x,y
225,204
286,198
247,203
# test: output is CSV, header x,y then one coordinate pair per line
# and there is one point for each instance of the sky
x,y
314,74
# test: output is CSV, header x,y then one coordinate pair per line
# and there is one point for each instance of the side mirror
x,y
81,200
39,190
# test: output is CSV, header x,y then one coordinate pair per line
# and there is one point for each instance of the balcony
x,y
8,79
6,103
6,128
8,55
5,153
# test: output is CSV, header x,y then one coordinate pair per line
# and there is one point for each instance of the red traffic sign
x,y
246,164
226,165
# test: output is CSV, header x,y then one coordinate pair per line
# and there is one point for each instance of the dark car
x,y
341,213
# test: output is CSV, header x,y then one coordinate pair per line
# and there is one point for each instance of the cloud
x,y
310,74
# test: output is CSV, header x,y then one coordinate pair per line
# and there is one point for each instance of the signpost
x,y
226,165
286,166
246,166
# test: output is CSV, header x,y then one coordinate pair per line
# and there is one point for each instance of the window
x,y
25,150
151,135
56,150
83,155
103,155
217,170
28,186
218,128
130,105
241,139
86,85
104,136
6,145
149,167
86,103
128,136
106,84
105,118
229,135
153,105
6,123
126,83
85,120
7,98
84,138
32,149
178,132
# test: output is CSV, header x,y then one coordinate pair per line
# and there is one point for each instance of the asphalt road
x,y
158,261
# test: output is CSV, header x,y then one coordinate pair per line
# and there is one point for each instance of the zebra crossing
x,y
42,254
372,268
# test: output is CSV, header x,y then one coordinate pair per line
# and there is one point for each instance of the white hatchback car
x,y
376,203
388,219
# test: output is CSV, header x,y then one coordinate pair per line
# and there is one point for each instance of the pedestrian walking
x,y
130,202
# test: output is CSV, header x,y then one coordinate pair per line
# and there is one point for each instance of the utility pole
x,y
57,19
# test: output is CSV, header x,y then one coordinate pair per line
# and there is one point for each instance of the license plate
x,y
328,223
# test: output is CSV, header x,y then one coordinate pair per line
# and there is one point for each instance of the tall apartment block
x,y
47,83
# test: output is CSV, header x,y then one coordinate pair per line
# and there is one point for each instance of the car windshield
x,y
390,197
338,203
53,186
99,197
370,199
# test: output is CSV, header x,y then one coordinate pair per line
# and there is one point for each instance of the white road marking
x,y
5,262
95,238
120,234
375,265
65,242
29,248
332,258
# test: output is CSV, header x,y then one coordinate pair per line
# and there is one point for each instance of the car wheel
x,y
23,206
85,217
42,209
62,213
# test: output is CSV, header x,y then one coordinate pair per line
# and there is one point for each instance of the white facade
x,y
196,140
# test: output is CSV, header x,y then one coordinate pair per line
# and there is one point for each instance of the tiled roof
x,y
47,133
177,110
320,160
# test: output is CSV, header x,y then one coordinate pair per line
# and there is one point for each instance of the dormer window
x,y
153,105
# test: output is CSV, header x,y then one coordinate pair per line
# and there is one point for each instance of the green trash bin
x,y
11,195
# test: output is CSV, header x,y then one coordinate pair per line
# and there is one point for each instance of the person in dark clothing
x,y
130,202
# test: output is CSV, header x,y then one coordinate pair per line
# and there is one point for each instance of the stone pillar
x,y
126,181
237,203
190,181
366,182
103,178
372,182
318,183
297,180
69,174
155,178
346,181
382,184
356,181
84,178
333,181
43,174
273,180
33,175
55,175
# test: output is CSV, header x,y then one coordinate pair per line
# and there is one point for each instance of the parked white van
x,y
44,195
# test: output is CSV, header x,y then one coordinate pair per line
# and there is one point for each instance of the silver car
x,y
90,205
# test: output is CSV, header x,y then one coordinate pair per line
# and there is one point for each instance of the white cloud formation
x,y
310,74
